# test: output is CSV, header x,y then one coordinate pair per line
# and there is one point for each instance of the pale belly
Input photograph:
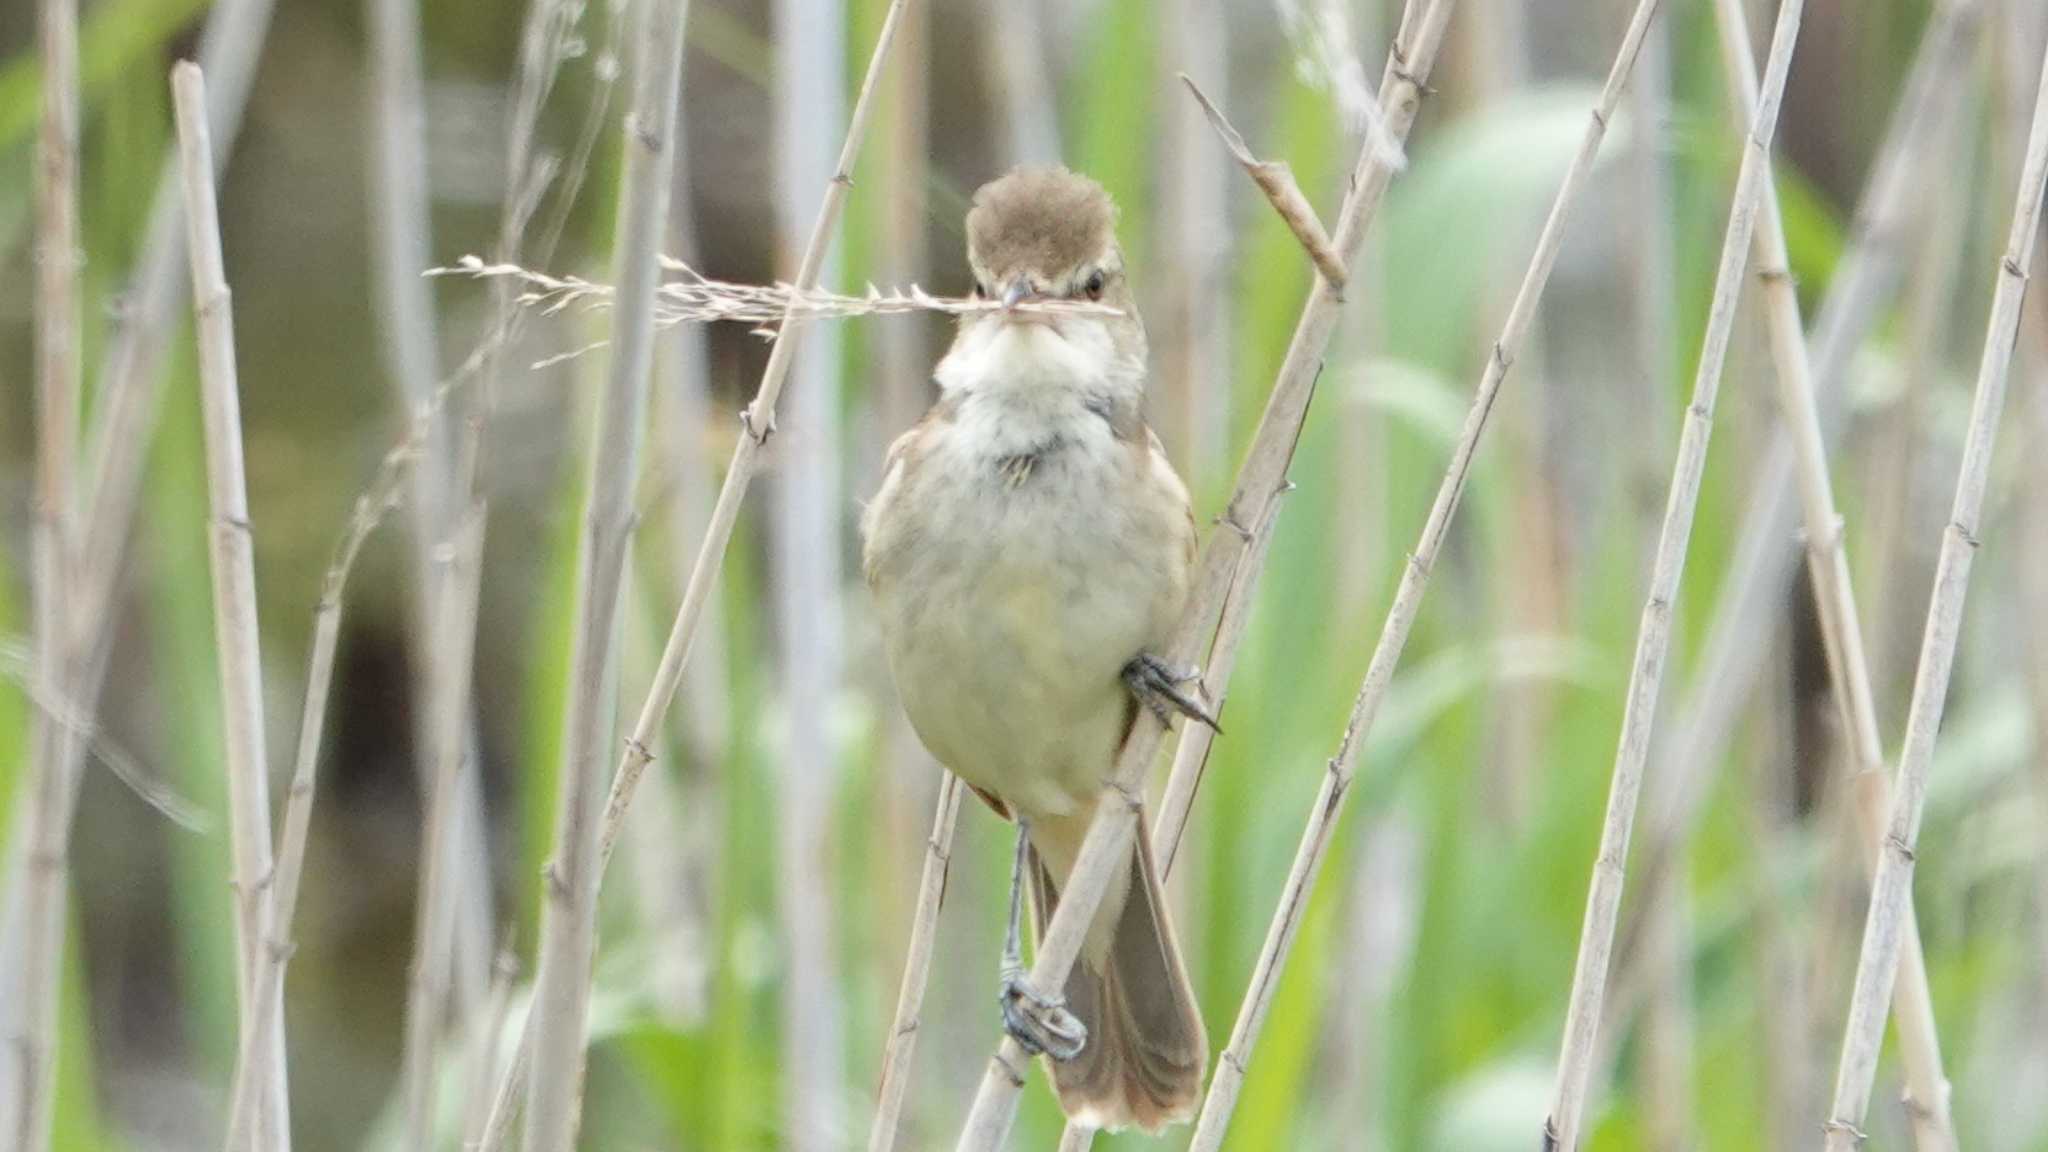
x,y
1009,623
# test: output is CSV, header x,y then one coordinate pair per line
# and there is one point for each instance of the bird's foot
x,y
1039,1022
1158,686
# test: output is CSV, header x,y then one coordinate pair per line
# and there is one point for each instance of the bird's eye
x,y
1094,285
980,290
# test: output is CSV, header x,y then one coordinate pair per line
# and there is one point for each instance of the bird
x,y
1028,552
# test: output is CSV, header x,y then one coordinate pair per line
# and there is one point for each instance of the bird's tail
x,y
1146,1052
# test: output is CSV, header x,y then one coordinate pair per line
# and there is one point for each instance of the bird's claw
x,y
1157,685
1039,1022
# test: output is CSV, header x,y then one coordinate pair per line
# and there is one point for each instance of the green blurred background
x,y
1424,1000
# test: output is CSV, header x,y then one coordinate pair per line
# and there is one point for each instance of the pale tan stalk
x,y
1730,659
99,512
561,997
1669,1030
49,798
1885,928
1603,900
806,517
1232,1065
487,1029
1261,481
1828,567
1276,180
434,925
1189,298
1016,47
917,963
236,636
757,424
401,228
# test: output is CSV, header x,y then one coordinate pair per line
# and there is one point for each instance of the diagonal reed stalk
x,y
1828,568
1884,932
51,796
1232,1065
757,424
561,998
1731,659
1603,899
236,636
917,964
1261,481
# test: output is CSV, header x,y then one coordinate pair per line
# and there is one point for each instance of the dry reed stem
x,y
130,384
1261,481
1276,180
99,513
547,28
486,1030
1232,1065
1731,659
757,424
917,962
1891,896
1828,568
1603,900
433,958
569,907
47,833
401,231
808,98
1016,48
236,636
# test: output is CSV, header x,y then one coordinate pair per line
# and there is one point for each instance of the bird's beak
x,y
1018,291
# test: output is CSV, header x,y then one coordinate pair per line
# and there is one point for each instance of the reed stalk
x,y
1731,659
435,912
1262,480
917,963
1890,915
236,636
1233,1064
1561,1129
561,994
1828,568
49,798
99,509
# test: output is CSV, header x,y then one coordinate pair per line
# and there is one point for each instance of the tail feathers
x,y
1146,1052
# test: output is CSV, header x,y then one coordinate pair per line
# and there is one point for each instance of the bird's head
x,y
1045,233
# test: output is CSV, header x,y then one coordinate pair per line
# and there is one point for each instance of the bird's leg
x,y
1039,1022
1157,685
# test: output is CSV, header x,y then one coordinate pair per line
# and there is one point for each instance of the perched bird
x,y
1028,553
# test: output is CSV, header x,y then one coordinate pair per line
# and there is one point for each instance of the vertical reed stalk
x,y
401,227
1016,46
1261,481
917,963
434,935
1731,659
1828,569
236,636
757,424
810,78
99,512
1603,900
569,912
50,796
1890,915
1232,1065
